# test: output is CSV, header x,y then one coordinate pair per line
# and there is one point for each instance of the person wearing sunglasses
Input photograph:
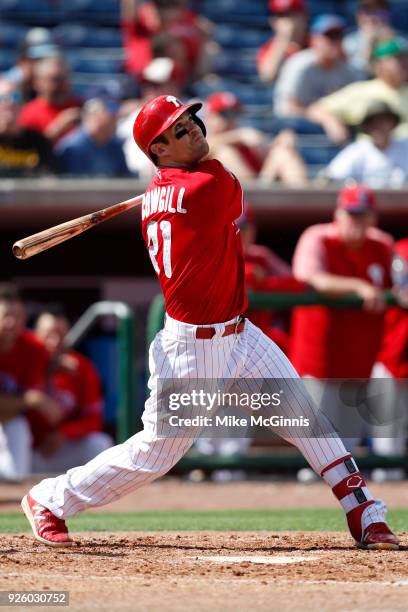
x,y
315,72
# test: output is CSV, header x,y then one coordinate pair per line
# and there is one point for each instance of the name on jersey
x,y
163,199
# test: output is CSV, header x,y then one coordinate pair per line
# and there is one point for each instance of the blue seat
x,y
236,37
106,12
79,35
317,150
235,64
33,12
117,86
248,13
399,15
12,35
95,62
7,59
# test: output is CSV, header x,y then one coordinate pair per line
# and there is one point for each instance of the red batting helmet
x,y
158,115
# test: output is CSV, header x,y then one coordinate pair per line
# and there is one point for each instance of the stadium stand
x,y
89,34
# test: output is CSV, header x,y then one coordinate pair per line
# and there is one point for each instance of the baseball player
x,y
188,216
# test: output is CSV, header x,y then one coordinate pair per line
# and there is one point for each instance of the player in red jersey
x,y
188,222
349,255
392,364
23,368
74,382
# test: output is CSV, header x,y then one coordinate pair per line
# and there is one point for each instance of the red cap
x,y
158,115
222,101
286,6
356,199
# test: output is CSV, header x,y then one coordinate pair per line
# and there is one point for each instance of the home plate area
x,y
212,570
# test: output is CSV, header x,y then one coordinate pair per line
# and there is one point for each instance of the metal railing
x,y
127,419
274,301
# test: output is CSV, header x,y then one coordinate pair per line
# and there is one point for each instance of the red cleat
x,y
378,536
47,528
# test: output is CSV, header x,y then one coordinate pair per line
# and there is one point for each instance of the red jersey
x,y
336,342
38,114
25,366
394,350
77,388
188,225
137,35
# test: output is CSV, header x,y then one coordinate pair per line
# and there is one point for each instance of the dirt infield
x,y
208,571
197,571
175,494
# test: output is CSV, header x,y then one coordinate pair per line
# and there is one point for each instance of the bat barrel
x,y
37,243
19,250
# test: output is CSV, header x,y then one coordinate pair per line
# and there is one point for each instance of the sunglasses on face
x,y
383,16
334,35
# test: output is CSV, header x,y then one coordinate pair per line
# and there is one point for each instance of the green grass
x,y
292,519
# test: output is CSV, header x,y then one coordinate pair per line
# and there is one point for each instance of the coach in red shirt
x,y
55,110
392,364
345,257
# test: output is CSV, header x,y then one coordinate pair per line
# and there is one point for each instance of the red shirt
x,y
137,36
264,50
77,388
338,343
38,114
394,350
188,225
25,366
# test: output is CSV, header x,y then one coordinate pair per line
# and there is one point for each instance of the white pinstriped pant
x,y
176,354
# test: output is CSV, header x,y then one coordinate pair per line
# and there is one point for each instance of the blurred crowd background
x,y
295,91
303,94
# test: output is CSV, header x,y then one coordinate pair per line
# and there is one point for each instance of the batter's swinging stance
x,y
188,216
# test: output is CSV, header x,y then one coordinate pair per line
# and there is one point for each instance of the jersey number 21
x,y
153,245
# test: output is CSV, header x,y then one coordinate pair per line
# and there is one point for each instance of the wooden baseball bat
x,y
37,243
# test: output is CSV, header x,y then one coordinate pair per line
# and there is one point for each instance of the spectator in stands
x,y
38,44
392,364
23,367
315,72
380,160
347,107
23,152
74,382
374,26
160,77
289,25
142,20
55,111
93,149
245,150
345,257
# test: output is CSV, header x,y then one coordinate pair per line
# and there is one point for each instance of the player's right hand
x,y
43,404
